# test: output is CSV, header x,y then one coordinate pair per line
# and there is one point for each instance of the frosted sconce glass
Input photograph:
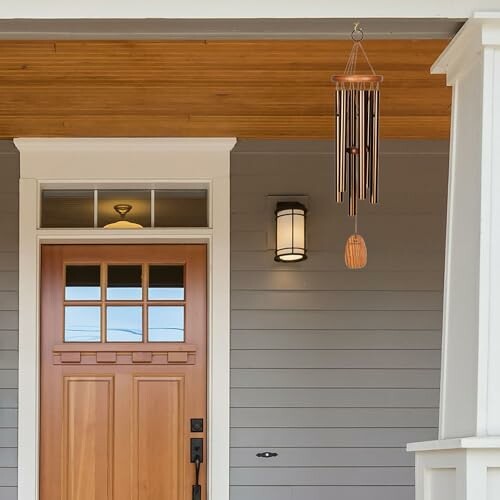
x,y
290,232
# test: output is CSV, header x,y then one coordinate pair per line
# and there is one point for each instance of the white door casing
x,y
133,163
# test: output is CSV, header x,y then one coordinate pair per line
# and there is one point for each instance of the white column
x,y
464,463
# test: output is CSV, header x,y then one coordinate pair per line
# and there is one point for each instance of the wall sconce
x,y
290,232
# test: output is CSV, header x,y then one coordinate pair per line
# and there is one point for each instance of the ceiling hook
x,y
357,33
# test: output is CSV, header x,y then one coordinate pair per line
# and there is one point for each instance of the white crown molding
x,y
481,30
126,144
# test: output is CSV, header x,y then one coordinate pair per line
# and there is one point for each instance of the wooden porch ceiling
x,y
247,89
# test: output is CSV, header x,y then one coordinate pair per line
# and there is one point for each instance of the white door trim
x,y
138,162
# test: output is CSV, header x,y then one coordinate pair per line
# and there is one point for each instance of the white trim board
x,y
229,9
141,162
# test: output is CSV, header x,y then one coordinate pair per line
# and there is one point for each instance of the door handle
x,y
197,460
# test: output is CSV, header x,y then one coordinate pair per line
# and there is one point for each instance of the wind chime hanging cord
x,y
357,36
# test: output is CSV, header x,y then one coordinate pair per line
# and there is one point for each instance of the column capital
x,y
480,31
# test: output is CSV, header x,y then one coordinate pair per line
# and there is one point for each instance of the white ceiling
x,y
249,9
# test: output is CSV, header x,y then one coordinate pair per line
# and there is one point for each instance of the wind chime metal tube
x,y
338,150
352,157
357,131
342,154
374,193
362,146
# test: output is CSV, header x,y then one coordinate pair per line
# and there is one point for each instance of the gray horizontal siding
x,y
8,259
261,260
8,438
324,476
335,370
328,437
8,379
338,280
334,417
8,493
320,320
9,358
334,398
9,340
326,300
335,339
8,398
335,358
8,476
326,457
354,492
8,457
355,378
9,193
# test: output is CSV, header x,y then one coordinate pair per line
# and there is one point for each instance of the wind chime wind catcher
x,y
357,141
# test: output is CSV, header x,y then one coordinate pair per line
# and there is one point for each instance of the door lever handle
x,y
197,459
197,486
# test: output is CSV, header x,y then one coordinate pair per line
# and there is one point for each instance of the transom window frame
x,y
72,163
123,185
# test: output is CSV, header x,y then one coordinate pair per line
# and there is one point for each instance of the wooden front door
x,y
123,371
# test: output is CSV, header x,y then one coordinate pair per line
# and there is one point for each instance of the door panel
x,y
158,437
115,415
88,463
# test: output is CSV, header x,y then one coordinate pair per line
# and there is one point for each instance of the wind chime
x,y
357,145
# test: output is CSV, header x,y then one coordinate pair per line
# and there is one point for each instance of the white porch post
x,y
464,463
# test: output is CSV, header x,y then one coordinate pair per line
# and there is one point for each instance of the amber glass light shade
x,y
356,254
122,210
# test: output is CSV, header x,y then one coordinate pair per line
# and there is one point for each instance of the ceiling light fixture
x,y
122,210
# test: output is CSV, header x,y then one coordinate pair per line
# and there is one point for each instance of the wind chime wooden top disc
x,y
357,130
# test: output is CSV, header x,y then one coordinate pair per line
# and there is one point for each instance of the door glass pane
x,y
82,324
124,323
67,208
166,323
166,283
124,283
83,283
139,201
181,208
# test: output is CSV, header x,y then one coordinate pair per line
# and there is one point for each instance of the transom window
x,y
124,303
123,208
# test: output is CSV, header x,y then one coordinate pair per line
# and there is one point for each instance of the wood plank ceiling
x,y
247,89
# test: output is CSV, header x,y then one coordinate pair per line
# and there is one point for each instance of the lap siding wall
x,y
9,213
335,370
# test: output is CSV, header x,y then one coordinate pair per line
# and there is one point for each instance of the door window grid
x,y
166,333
